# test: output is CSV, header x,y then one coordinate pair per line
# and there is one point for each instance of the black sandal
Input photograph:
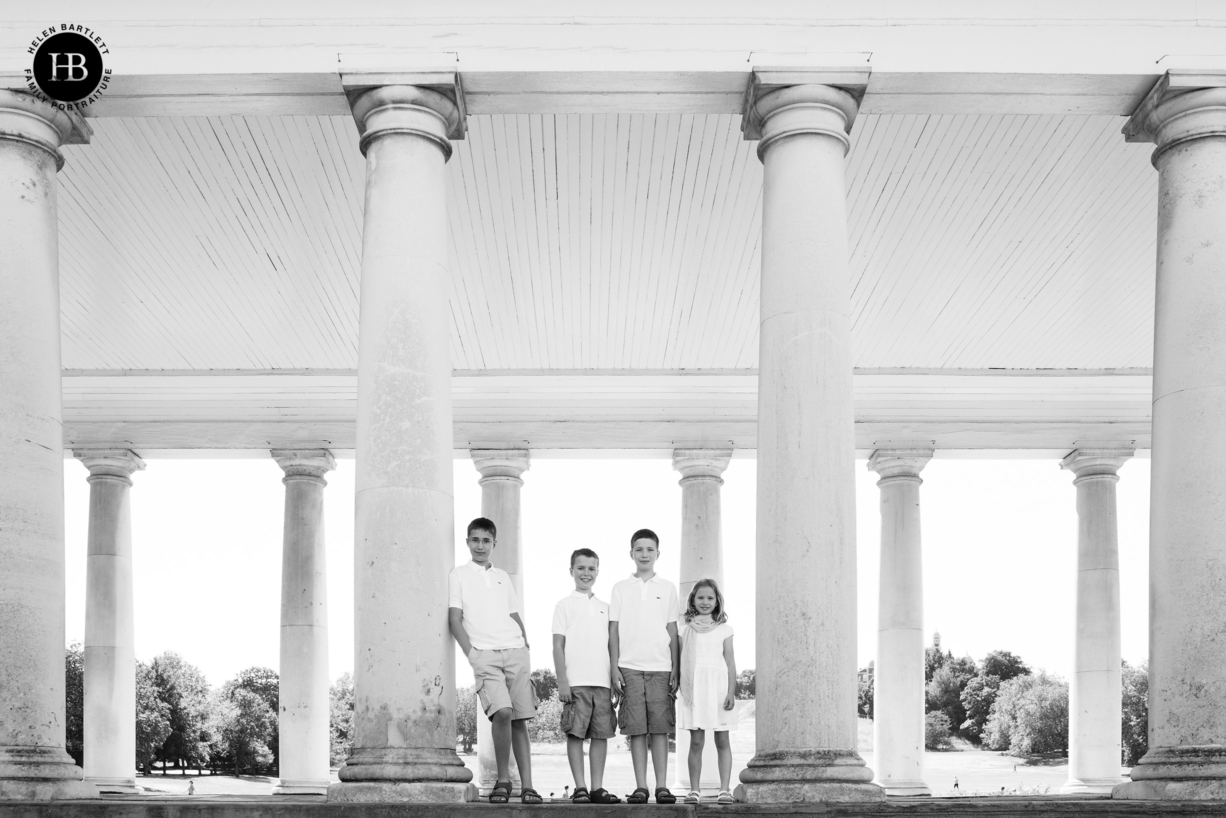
x,y
501,793
581,796
530,796
663,796
639,796
603,796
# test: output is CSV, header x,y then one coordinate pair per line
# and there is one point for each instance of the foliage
x,y
977,699
466,717
1030,716
545,683
1003,665
944,691
934,660
547,726
340,719
74,702
265,683
186,693
1134,715
747,684
243,724
937,731
864,695
152,718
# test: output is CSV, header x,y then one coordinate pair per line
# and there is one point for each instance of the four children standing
x,y
628,650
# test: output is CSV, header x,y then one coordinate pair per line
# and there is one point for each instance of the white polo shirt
x,y
487,599
642,610
584,621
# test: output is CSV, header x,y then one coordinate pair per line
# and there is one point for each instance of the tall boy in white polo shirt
x,y
581,658
646,659
483,612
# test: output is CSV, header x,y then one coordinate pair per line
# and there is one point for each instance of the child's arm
x,y
455,620
730,660
559,666
674,646
522,629
619,684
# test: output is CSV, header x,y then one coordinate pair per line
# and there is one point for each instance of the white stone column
x,y
404,541
898,694
1095,696
702,556
110,653
806,538
33,763
303,729
501,481
1187,557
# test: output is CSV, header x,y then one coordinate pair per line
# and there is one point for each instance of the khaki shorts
x,y
589,713
504,680
647,706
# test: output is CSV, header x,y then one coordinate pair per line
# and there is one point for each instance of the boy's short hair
x,y
583,552
644,533
484,524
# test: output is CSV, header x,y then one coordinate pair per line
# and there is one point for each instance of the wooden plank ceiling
x,y
607,242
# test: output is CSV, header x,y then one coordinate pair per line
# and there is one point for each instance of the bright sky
x,y
1000,539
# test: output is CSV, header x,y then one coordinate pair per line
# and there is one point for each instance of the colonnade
x,y
404,747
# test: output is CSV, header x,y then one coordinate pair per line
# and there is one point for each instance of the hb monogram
x,y
72,63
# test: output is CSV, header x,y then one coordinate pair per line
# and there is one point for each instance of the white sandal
x,y
725,797
693,797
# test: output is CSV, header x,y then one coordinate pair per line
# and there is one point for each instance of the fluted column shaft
x,y
33,763
110,653
501,473
404,668
1095,695
1187,555
303,730
898,693
806,547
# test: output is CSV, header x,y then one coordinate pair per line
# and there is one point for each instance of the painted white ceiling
x,y
608,242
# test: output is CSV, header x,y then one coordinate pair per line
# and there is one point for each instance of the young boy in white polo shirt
x,y
646,659
581,659
483,612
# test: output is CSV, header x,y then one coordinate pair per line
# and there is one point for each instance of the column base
x,y
284,787
905,788
807,775
402,774
41,774
1196,773
414,792
1090,786
117,784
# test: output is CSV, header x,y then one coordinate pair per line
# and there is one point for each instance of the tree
x,y
1003,665
340,721
74,702
545,683
186,693
977,699
547,726
466,717
937,731
864,696
747,684
934,659
243,724
1030,716
265,683
152,719
944,691
1134,714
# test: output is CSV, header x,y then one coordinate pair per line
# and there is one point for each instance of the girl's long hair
x,y
717,613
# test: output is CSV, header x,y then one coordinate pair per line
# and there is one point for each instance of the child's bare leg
x,y
723,749
597,754
638,758
500,731
574,754
698,738
659,758
523,751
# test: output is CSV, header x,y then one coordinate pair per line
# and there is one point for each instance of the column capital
x,y
1104,462
23,118
905,463
501,464
1183,105
782,103
701,464
407,109
116,463
309,463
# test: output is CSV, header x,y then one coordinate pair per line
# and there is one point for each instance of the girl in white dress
x,y
707,697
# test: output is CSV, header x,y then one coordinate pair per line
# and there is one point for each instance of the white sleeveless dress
x,y
710,683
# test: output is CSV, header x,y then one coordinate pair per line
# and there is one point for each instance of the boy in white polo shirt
x,y
646,659
483,612
581,658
